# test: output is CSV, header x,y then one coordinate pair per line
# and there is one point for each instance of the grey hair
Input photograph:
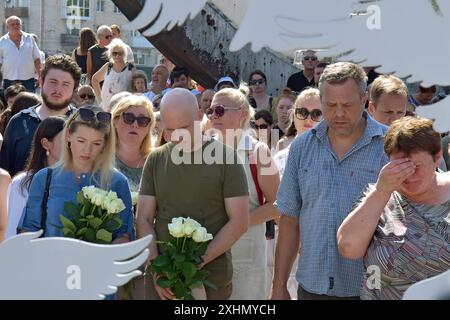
x,y
102,29
338,73
13,18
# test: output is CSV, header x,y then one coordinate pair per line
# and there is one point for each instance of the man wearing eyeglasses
x,y
59,78
327,170
305,78
96,57
19,56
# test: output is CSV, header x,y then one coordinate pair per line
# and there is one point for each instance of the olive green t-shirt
x,y
195,188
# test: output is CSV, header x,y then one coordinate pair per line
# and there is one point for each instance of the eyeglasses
x,y
255,82
88,115
130,118
116,53
310,58
303,114
261,126
87,96
218,111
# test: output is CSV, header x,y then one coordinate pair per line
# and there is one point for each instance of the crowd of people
x,y
305,193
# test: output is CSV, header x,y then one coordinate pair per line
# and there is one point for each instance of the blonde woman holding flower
x,y
133,122
87,159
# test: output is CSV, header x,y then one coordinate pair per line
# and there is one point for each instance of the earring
x,y
47,153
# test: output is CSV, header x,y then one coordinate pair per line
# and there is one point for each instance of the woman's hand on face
x,y
393,174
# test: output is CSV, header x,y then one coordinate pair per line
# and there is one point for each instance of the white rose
x,y
189,226
176,228
200,235
134,198
88,192
98,198
115,206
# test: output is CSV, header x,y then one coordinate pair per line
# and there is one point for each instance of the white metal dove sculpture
x,y
435,288
63,268
405,37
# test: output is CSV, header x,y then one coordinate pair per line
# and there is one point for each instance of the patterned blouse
x,y
410,244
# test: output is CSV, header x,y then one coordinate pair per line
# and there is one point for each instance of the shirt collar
x,y
373,128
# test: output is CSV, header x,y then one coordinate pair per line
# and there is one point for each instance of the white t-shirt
x,y
18,64
17,200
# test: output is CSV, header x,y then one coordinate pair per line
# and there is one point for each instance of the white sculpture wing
x,y
63,268
436,288
159,15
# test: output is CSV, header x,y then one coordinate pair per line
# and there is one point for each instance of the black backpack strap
x,y
110,65
45,199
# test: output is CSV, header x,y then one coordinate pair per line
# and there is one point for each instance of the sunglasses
x,y
88,115
117,54
218,111
255,82
130,118
310,58
87,96
261,126
303,114
108,37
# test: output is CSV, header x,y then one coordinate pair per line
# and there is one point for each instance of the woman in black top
x,y
87,40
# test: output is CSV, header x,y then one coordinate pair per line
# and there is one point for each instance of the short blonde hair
x,y
105,160
241,100
387,84
307,94
136,101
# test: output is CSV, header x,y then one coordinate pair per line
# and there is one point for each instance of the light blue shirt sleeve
x,y
32,214
120,186
289,200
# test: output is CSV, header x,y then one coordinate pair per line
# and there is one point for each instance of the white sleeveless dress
x,y
115,82
251,275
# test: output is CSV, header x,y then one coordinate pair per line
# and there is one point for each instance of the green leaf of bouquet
x,y
71,209
164,283
209,284
104,235
89,236
179,257
81,232
195,284
80,198
161,261
95,222
189,270
68,224
68,233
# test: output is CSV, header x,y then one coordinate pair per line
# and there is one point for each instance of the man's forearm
x,y
37,67
286,251
144,228
224,240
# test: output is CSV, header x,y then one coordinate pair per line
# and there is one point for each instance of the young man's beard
x,y
55,106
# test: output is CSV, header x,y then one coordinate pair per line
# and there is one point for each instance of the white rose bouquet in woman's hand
x,y
177,266
94,217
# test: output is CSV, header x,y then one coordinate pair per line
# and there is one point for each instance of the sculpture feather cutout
x,y
435,288
64,268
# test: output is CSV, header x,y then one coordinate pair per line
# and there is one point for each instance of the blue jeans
x,y
28,84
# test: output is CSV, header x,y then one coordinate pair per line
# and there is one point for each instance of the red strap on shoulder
x,y
254,171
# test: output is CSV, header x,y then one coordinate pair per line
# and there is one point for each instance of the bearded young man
x,y
59,79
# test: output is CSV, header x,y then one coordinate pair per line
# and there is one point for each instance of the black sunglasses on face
x,y
218,111
89,115
108,37
130,118
255,82
261,126
303,114
87,96
310,58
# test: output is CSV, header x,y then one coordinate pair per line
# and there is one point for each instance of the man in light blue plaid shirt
x,y
327,170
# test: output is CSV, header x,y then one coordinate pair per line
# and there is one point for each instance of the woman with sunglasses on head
x,y
45,151
87,159
133,122
259,99
116,74
306,115
230,114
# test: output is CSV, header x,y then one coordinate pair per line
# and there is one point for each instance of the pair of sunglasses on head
x,y
89,115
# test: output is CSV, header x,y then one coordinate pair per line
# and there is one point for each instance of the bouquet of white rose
x,y
177,266
94,217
